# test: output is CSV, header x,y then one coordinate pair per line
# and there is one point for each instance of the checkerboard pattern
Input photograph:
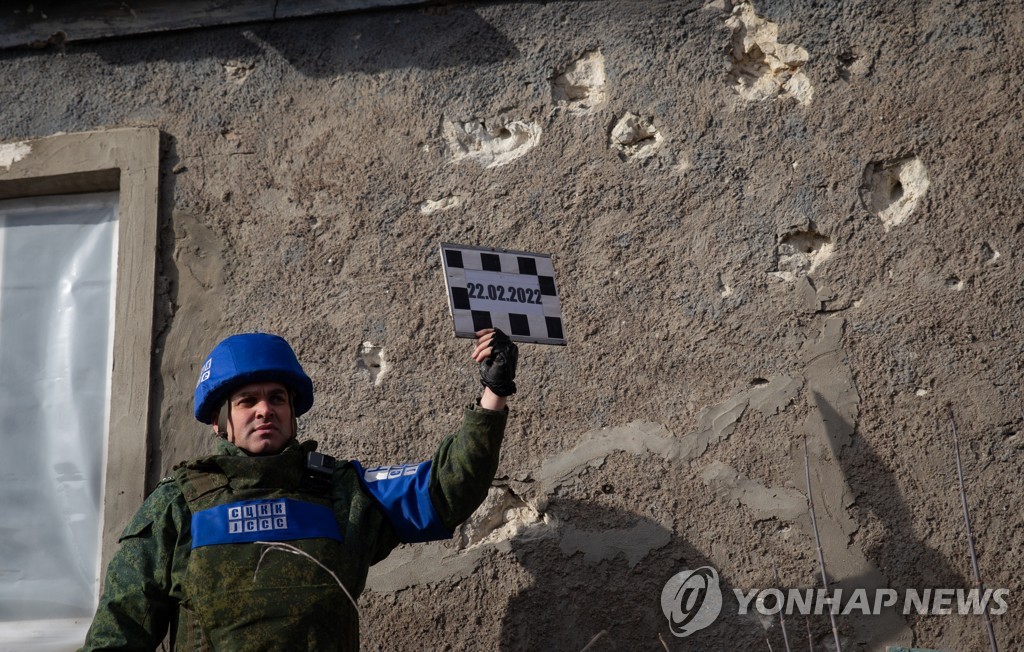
x,y
544,328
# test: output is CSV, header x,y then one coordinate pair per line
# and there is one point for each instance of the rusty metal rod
x,y
970,533
782,619
817,541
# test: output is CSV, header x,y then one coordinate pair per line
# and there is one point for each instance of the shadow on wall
x,y
166,295
324,46
598,575
188,321
906,560
439,37
599,572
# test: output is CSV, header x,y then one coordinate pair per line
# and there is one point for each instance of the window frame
x,y
126,161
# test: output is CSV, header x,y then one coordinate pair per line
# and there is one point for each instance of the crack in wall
x,y
829,428
714,424
505,515
632,543
767,503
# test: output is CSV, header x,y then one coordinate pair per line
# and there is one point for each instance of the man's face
x,y
260,418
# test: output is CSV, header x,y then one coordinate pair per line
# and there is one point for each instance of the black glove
x,y
498,372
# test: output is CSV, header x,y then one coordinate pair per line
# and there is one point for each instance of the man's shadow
x,y
598,576
905,560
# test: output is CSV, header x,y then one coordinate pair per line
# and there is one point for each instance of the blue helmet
x,y
250,358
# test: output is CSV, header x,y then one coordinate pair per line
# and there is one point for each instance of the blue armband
x,y
403,493
276,519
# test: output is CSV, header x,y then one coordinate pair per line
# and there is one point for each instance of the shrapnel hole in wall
x,y
761,67
892,189
799,253
580,86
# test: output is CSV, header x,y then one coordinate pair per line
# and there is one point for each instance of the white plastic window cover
x,y
57,271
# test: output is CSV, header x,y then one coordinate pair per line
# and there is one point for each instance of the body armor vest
x,y
240,594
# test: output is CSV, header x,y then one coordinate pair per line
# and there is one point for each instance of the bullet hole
x,y
432,206
238,70
989,254
892,189
491,143
896,192
580,87
371,360
800,253
502,516
762,68
635,137
607,489
854,62
724,289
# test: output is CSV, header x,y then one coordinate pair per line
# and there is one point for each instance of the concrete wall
x,y
769,222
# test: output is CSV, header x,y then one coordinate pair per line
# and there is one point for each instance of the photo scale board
x,y
513,291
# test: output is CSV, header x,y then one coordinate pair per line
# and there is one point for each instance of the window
x,y
76,305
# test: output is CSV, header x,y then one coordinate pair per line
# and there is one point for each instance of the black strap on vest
x,y
319,469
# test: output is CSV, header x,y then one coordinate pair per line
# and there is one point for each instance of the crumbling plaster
x,y
732,290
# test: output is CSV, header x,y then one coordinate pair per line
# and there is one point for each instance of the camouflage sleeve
x,y
136,606
465,464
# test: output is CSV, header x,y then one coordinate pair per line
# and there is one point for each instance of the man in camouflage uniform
x,y
197,559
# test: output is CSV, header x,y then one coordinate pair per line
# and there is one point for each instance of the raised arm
x,y
466,462
427,501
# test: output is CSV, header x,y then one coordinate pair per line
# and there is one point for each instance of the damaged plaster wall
x,y
770,221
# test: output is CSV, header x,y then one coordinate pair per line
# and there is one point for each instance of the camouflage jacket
x,y
155,585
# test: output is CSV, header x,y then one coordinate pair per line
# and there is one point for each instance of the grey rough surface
x,y
727,281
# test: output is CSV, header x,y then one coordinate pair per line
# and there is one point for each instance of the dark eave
x,y
40,24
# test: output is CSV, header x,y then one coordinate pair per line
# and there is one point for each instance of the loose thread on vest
x,y
284,547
